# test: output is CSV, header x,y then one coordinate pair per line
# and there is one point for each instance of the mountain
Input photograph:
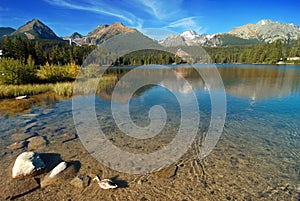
x,y
73,36
191,38
187,38
103,32
267,31
127,42
6,31
35,29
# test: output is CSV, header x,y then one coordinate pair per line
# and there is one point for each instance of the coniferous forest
x,y
44,51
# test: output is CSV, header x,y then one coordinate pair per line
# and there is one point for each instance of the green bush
x,y
14,71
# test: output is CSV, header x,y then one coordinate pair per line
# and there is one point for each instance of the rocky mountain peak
x,y
104,32
267,31
35,29
190,34
264,22
76,35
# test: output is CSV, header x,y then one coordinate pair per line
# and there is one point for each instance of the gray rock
x,y
27,164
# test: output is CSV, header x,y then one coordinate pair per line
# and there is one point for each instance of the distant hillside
x,y
227,40
35,29
129,42
6,31
104,32
191,38
267,31
73,36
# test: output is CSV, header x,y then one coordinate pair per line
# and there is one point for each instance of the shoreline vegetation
x,y
60,88
13,91
30,67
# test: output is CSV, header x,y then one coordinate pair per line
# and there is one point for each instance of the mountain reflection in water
x,y
252,82
255,82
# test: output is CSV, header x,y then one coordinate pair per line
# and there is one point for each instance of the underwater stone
x,y
17,145
36,142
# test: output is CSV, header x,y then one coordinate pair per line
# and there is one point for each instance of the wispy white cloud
x,y
161,10
186,23
157,33
169,15
97,7
164,16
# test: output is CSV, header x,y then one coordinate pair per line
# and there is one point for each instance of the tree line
x,y
146,57
44,51
258,53
39,61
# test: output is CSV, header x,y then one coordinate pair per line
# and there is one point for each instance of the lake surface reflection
x,y
256,158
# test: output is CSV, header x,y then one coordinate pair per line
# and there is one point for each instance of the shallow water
x,y
256,158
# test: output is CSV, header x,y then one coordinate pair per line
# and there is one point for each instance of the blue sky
x,y
155,18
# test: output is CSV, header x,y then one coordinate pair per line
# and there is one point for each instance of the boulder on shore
x,y
27,164
62,172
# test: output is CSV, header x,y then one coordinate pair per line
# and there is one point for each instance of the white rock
x,y
26,164
58,169
21,97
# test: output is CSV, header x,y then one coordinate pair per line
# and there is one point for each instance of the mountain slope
x,y
129,42
103,32
73,36
190,38
35,29
267,31
6,31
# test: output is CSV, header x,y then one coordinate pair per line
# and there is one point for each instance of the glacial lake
x,y
257,156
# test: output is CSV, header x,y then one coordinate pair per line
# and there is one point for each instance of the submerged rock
x,y
27,164
36,142
21,136
68,137
12,190
167,172
28,127
81,181
17,145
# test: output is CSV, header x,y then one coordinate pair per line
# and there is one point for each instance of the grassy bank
x,y
11,91
60,88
